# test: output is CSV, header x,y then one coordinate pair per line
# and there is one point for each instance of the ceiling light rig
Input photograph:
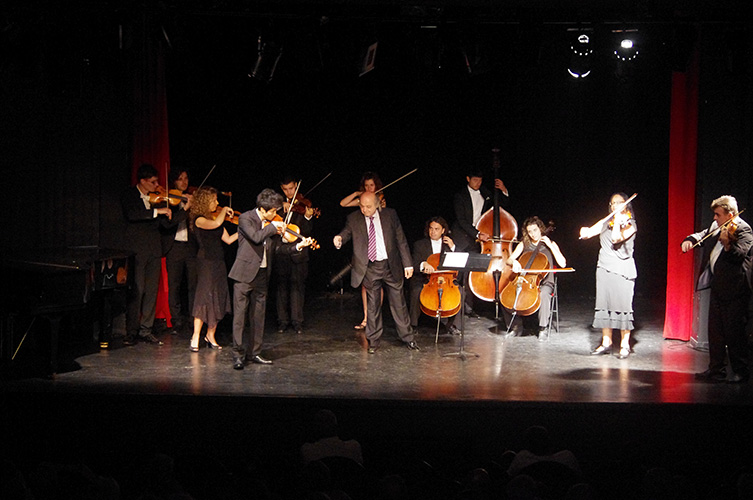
x,y
627,49
581,53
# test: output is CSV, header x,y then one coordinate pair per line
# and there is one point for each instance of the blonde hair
x,y
727,203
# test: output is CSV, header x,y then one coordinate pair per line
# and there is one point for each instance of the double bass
x,y
502,226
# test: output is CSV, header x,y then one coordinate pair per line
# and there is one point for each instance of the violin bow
x,y
316,185
396,180
207,177
290,211
718,229
618,209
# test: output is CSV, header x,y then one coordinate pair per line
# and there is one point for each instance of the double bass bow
x,y
502,226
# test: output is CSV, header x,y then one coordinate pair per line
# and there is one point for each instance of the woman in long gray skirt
x,y
615,275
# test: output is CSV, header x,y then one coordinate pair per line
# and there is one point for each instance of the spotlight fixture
x,y
627,49
581,53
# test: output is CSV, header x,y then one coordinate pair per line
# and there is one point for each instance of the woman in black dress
x,y
212,299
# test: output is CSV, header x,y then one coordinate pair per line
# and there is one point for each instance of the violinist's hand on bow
x,y
483,236
686,246
428,268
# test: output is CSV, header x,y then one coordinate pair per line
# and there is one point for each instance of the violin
x,y
440,296
233,218
292,231
629,216
172,197
301,205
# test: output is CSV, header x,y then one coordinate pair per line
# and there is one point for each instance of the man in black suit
x,y
179,246
291,270
725,261
381,257
142,236
436,242
251,272
470,204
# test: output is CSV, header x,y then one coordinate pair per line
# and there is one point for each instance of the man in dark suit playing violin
x,y
179,246
142,236
251,272
381,257
725,260
436,242
470,203
291,270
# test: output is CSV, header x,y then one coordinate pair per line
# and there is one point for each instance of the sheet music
x,y
455,259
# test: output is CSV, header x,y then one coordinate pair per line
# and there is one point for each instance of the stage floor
x,y
329,360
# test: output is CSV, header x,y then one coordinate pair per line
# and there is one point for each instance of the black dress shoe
x,y
149,338
453,330
711,376
412,346
601,349
260,361
738,378
470,313
282,327
298,329
237,364
129,340
373,348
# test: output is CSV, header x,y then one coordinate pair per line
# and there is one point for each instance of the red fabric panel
x,y
683,145
150,127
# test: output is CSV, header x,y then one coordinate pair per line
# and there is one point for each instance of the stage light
x,y
627,49
581,52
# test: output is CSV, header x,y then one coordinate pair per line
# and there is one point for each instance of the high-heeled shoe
x,y
193,348
601,349
211,345
624,352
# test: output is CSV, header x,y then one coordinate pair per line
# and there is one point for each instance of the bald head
x,y
367,202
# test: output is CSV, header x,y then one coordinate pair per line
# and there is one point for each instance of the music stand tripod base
x,y
467,262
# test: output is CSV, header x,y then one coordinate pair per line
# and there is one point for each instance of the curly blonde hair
x,y
202,199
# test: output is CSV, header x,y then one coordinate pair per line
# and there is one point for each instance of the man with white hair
x,y
726,244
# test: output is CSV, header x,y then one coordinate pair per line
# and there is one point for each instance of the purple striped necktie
x,y
372,240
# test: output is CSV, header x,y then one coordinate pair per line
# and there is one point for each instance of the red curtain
x,y
150,126
683,146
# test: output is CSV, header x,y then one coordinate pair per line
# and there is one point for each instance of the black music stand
x,y
466,262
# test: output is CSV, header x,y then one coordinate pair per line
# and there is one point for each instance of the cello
x,y
521,295
502,226
440,296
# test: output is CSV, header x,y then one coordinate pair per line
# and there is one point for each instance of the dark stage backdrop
x,y
566,145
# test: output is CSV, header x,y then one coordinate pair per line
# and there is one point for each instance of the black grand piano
x,y
48,284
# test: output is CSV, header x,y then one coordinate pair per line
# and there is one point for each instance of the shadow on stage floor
x,y
407,408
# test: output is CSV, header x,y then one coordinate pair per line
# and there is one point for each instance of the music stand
x,y
466,262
